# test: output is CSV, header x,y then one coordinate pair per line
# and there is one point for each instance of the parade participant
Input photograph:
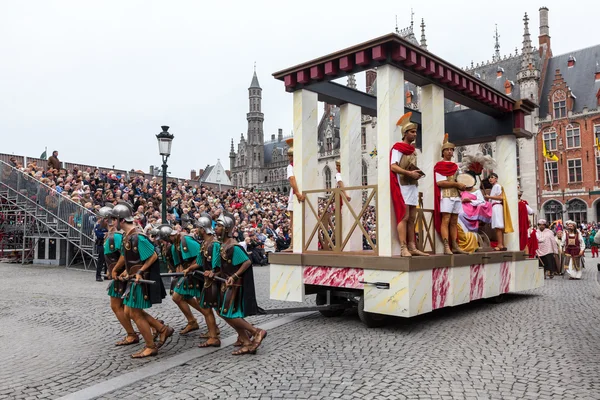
x,y
592,242
183,250
561,252
447,202
112,253
100,230
524,212
547,251
237,297
404,176
574,249
138,260
338,179
293,188
209,262
501,220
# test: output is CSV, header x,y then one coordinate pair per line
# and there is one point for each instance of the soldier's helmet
x,y
165,231
154,231
123,211
206,224
105,212
227,223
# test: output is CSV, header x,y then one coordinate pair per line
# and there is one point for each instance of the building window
x,y
577,211
551,172
552,211
575,170
573,136
363,138
486,150
327,175
329,144
550,140
598,169
596,133
365,172
559,100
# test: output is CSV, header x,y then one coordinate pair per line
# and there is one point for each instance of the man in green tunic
x,y
238,298
112,252
139,260
184,250
209,262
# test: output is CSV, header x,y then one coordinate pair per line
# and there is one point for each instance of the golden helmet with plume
x,y
405,124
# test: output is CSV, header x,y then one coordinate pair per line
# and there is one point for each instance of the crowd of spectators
x,y
262,222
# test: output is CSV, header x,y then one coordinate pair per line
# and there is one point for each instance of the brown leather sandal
x,y
155,333
258,338
216,343
146,352
131,338
165,333
190,327
245,350
206,335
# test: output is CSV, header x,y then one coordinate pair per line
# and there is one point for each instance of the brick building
x,y
569,123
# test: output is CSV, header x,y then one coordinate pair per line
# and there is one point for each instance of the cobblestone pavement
x,y
540,345
57,334
57,331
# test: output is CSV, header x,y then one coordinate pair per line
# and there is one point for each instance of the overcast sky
x,y
96,79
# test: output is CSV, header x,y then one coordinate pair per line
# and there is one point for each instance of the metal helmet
x,y
205,223
123,211
153,231
226,222
165,231
105,212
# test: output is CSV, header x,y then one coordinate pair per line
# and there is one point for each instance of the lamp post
x,y
164,148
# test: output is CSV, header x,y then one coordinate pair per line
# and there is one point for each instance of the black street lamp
x,y
164,148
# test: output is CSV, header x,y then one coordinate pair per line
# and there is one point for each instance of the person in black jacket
x,y
100,230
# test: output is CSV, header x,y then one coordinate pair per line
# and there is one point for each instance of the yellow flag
x,y
550,156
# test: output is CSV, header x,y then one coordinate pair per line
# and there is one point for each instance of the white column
x,y
351,170
305,163
432,136
390,107
506,158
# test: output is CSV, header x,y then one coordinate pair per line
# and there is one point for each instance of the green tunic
x,y
237,310
187,287
135,299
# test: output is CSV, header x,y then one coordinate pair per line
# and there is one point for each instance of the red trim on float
x,y
289,80
303,76
470,87
331,68
411,59
440,74
378,53
431,68
346,63
421,64
362,57
316,72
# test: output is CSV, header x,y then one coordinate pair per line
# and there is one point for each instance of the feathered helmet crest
x,y
405,124
446,144
290,143
477,163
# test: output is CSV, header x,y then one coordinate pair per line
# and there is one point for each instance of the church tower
x,y
255,144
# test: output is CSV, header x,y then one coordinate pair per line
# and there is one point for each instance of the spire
x,y
423,40
496,46
412,19
232,151
397,31
527,49
351,81
254,84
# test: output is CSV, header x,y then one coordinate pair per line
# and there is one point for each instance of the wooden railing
x,y
425,228
328,227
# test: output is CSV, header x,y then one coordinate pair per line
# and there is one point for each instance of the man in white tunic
x,y
293,189
500,224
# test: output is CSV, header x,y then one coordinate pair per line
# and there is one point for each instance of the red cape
x,y
397,199
533,244
445,168
523,224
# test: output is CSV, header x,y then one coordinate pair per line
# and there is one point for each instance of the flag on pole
x,y
548,155
373,153
44,156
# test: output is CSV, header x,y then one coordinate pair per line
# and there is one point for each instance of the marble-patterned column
x,y
351,170
506,159
305,162
390,107
432,136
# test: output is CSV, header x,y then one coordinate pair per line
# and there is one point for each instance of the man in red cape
x,y
447,202
524,211
404,176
